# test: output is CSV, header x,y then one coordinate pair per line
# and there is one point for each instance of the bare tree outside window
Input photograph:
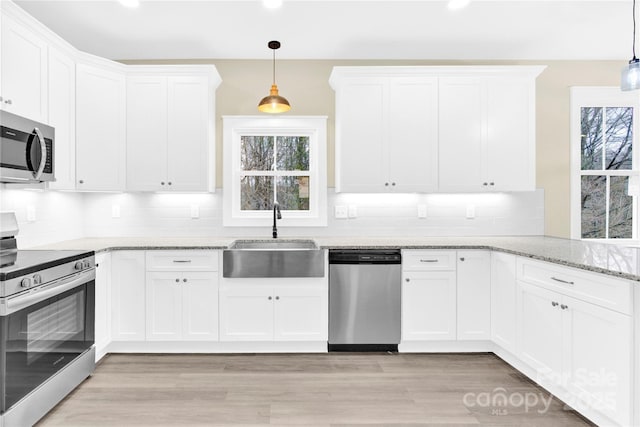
x,y
606,146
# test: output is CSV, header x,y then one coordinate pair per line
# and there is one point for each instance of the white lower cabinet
x,y
128,296
261,310
503,301
474,295
182,306
576,346
103,303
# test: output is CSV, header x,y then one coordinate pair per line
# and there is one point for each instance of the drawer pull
x,y
428,260
181,260
562,281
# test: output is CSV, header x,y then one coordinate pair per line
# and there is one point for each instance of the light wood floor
x,y
336,389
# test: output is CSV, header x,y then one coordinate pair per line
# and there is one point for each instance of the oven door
x,y
39,340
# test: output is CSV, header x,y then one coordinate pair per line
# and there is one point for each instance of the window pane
x,y
593,207
619,137
591,137
293,153
256,193
293,193
620,208
256,153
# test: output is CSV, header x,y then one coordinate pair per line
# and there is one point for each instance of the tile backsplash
x,y
50,216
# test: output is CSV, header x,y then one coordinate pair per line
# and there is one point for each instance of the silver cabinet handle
x,y
553,303
564,306
181,260
43,151
561,281
428,260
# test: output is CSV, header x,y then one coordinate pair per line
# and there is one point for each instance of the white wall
x,y
58,215
378,215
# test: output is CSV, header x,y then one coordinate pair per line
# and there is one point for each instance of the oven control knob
x,y
26,282
37,279
79,265
86,264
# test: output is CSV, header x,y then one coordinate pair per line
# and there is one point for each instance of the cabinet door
x,y
147,133
361,132
24,71
503,300
413,134
188,133
103,303
128,296
474,295
62,116
462,134
598,357
200,306
540,330
164,306
301,313
100,129
511,134
429,306
246,313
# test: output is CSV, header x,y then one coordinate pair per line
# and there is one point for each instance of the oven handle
x,y
17,303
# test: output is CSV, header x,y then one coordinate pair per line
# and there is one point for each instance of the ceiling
x,y
343,29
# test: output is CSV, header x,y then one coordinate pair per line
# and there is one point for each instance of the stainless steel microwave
x,y
26,150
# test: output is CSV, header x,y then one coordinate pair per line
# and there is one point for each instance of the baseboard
x,y
216,347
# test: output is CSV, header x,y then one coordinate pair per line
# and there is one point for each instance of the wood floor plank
x,y
314,390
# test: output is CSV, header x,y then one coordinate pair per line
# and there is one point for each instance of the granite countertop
x,y
615,260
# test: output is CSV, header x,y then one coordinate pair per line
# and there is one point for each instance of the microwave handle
x,y
43,150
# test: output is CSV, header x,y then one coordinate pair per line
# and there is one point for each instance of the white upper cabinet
x,y
100,128
386,132
170,113
23,89
428,129
62,116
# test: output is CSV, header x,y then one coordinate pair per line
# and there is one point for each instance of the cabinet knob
x,y
177,280
184,280
162,183
564,306
461,258
386,184
553,303
270,298
8,101
485,184
407,280
491,183
393,184
277,297
81,181
169,183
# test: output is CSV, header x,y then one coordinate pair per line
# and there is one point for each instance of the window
x,y
604,163
269,159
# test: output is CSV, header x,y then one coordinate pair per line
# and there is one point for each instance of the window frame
x,y
607,97
315,127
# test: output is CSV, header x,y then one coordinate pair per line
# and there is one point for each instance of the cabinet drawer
x,y
182,260
599,289
428,260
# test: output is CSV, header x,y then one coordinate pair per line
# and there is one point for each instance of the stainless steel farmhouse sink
x,y
273,258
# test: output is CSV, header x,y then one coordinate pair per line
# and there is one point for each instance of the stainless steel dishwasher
x,y
364,300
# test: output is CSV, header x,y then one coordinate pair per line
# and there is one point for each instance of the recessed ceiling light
x,y
458,4
272,4
129,3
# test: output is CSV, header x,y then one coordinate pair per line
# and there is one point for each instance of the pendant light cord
x,y
274,51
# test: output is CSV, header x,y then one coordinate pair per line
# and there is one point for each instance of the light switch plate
x,y
195,211
341,212
471,211
422,210
353,211
115,211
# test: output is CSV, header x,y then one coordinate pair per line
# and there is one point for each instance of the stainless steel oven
x,y
26,150
47,317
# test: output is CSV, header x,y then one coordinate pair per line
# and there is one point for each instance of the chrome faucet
x,y
276,215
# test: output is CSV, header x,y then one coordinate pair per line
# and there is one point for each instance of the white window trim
x,y
600,97
233,127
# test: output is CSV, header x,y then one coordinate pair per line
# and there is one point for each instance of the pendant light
x,y
274,103
630,77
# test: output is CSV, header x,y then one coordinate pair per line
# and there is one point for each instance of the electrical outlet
x,y
353,211
195,211
341,212
115,211
471,211
422,210
31,213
